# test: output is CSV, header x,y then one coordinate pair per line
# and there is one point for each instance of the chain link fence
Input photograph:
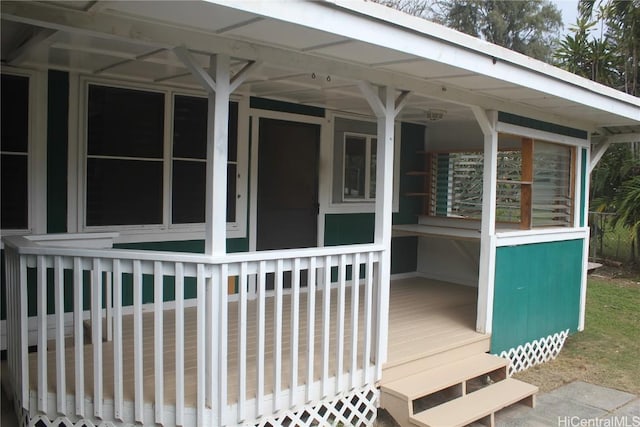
x,y
608,242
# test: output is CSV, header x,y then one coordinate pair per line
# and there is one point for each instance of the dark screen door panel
x,y
287,185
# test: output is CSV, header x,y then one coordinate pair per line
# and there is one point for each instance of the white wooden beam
x,y
597,152
18,55
486,275
622,138
207,81
128,60
217,134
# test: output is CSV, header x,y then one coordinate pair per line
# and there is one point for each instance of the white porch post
x,y
217,135
384,106
487,121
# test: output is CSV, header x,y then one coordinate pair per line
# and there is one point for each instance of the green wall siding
x,y
540,125
286,107
537,292
191,246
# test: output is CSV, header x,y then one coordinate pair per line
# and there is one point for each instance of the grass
x,y
607,352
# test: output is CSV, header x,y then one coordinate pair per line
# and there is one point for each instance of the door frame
x,y
256,115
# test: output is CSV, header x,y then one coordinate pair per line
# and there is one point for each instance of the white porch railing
x,y
273,331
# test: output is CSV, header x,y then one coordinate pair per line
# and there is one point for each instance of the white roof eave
x,y
365,21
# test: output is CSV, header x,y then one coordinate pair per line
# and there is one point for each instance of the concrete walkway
x,y
577,404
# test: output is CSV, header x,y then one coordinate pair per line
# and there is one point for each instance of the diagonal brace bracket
x,y
196,70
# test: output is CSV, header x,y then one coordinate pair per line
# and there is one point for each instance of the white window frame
x,y
36,152
367,173
354,206
166,231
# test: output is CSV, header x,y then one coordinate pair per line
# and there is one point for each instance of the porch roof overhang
x,y
313,53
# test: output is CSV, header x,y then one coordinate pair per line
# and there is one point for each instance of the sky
x,y
569,9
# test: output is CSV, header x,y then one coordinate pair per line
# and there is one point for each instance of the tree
x,y
604,46
530,27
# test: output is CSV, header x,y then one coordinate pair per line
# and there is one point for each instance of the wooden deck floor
x,y
424,316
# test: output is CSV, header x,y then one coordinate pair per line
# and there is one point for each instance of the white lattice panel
x,y
43,421
535,352
356,408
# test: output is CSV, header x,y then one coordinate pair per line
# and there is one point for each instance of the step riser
x,y
398,408
434,361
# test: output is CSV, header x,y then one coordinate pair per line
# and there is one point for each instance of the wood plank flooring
x,y
425,315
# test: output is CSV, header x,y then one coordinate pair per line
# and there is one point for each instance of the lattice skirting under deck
x,y
43,421
355,408
535,352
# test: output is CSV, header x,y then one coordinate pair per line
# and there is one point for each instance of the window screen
x,y
14,152
188,198
124,156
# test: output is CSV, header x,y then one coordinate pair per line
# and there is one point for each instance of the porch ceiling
x,y
312,53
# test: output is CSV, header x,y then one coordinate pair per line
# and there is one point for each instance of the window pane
x,y
188,200
14,192
508,194
354,167
465,199
552,196
125,122
372,167
14,129
190,127
123,192
189,187
231,192
233,132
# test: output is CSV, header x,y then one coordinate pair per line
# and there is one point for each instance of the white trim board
x,y
502,127
527,237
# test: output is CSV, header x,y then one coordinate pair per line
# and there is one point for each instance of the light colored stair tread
x,y
432,380
476,405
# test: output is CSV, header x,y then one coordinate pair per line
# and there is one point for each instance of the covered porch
x,y
135,357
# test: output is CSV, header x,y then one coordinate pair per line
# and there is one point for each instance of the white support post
x,y
217,134
386,107
486,276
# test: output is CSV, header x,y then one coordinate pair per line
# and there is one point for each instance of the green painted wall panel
x,y
286,107
348,229
536,293
540,125
190,246
57,149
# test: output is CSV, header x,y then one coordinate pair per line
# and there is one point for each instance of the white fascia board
x,y
434,42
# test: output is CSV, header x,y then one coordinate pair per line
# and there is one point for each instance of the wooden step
x,y
433,380
435,357
482,404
